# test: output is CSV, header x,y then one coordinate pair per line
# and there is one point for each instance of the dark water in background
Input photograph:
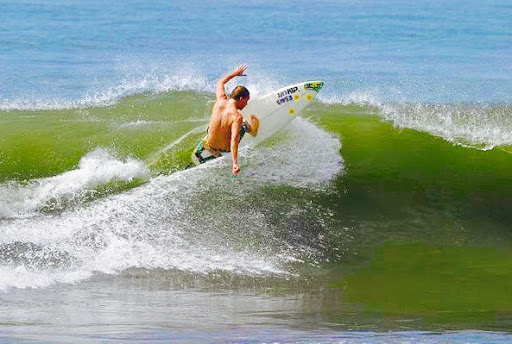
x,y
386,208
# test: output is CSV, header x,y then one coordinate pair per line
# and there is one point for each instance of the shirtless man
x,y
227,126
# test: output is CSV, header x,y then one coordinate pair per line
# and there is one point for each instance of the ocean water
x,y
381,215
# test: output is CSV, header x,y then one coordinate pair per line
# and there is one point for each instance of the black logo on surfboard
x,y
284,96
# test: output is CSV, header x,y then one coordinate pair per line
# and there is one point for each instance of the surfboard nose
x,y
314,85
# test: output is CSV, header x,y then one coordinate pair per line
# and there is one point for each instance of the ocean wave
x,y
136,82
479,126
96,168
187,79
143,123
199,220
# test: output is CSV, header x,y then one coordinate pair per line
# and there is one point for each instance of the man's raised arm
x,y
219,87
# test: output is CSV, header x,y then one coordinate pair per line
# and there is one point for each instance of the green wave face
x,y
401,184
36,144
411,221
429,222
386,167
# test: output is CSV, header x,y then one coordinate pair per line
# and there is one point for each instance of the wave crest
x,y
480,126
96,168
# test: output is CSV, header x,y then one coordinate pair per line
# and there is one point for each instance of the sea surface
x,y
381,215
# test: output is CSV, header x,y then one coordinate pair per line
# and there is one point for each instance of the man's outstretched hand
x,y
240,70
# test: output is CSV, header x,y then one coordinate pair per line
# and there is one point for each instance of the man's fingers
x,y
241,68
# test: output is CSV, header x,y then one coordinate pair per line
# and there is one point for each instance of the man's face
x,y
243,102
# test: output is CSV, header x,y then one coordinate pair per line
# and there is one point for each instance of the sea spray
x,y
199,220
138,80
476,126
481,126
95,169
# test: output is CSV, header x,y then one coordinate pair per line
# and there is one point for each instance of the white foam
x,y
478,126
186,79
258,83
143,123
363,98
305,143
21,277
196,220
95,168
139,79
138,123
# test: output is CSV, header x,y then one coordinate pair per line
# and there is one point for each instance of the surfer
x,y
227,127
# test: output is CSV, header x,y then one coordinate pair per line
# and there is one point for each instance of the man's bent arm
x,y
219,87
253,126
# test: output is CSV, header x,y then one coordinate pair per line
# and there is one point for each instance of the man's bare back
x,y
226,121
225,116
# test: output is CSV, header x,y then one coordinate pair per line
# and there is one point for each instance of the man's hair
x,y
239,92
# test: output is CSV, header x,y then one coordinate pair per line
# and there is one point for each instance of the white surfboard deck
x,y
275,110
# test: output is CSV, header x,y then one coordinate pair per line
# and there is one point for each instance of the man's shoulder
x,y
222,98
238,117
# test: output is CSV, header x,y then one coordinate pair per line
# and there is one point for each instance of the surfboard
x,y
275,110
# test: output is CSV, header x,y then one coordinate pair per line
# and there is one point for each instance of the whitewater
x,y
380,215
165,223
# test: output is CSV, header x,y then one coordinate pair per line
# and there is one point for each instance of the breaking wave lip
x,y
477,126
96,168
187,79
163,224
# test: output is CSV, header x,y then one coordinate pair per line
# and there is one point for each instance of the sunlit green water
x,y
432,224
414,234
37,144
